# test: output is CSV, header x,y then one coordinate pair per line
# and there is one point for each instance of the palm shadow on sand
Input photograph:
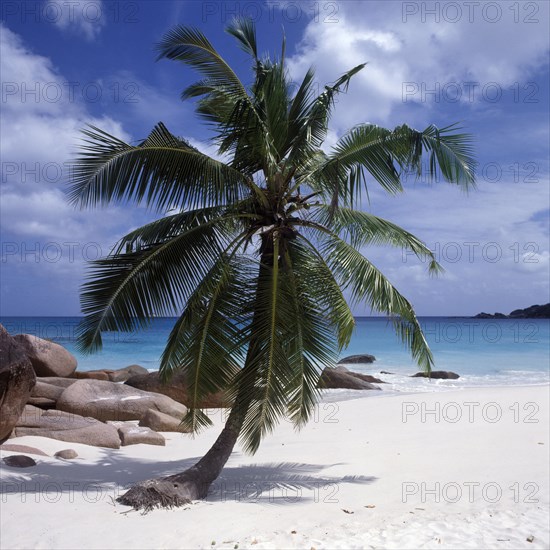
x,y
267,483
280,483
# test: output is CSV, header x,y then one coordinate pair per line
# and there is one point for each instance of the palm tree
x,y
260,253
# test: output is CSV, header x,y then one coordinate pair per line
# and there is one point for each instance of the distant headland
x,y
533,312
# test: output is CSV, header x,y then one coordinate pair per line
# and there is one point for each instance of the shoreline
x,y
361,474
487,351
335,396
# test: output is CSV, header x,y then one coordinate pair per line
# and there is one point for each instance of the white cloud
x,y
41,116
532,260
417,49
493,244
40,124
38,138
86,17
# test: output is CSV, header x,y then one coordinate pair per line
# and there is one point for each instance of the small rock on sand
x,y
19,461
67,454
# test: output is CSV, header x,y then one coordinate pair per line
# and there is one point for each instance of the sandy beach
x,y
458,469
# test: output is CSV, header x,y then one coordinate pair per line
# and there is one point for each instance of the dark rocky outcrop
x,y
532,312
111,401
342,378
47,358
442,374
357,359
365,377
484,315
177,389
17,379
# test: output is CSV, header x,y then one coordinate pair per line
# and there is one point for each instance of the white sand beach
x,y
375,472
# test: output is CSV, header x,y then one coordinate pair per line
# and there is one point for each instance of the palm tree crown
x,y
262,249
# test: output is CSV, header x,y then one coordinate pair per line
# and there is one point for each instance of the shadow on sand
x,y
110,475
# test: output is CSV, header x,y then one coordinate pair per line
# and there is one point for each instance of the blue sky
x,y
65,64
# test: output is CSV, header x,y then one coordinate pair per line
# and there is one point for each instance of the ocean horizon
x,y
484,352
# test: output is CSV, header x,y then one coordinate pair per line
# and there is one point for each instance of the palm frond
x,y
321,323
297,114
271,90
317,280
313,127
452,152
244,30
126,290
385,154
361,229
163,172
226,102
207,342
190,46
366,283
166,228
268,362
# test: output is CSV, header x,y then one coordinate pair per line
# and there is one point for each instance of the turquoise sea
x,y
483,351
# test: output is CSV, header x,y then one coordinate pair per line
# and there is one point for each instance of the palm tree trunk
x,y
193,483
